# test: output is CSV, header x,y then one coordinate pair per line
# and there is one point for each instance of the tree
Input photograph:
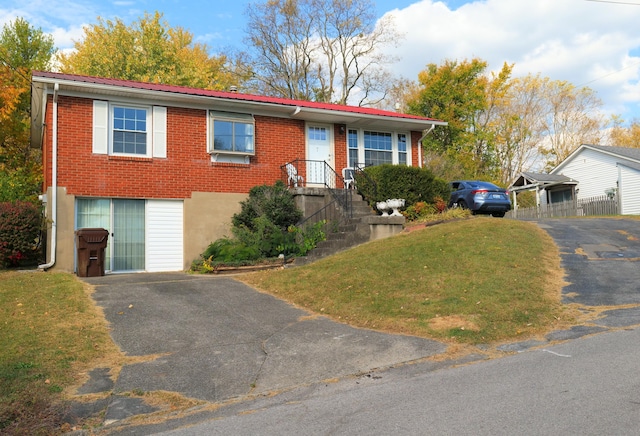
x,y
571,117
322,50
543,120
620,136
149,51
22,49
500,126
279,32
400,91
463,95
518,129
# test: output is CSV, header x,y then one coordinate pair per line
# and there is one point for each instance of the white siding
x,y
595,172
164,232
630,190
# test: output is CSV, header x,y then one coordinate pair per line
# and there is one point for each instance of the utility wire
x,y
622,69
635,64
614,1
4,61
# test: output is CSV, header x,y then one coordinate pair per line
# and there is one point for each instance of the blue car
x,y
479,197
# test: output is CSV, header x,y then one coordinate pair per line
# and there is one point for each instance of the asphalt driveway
x,y
601,258
215,339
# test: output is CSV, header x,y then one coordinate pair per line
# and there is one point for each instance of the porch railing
x,y
314,173
593,206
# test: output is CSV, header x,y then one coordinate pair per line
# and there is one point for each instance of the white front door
x,y
319,152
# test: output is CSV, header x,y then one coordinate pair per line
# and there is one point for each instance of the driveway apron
x,y
601,259
214,338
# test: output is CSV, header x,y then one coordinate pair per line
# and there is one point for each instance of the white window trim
x,y
149,131
219,155
394,144
103,129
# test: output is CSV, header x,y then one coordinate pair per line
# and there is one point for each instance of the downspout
x,y
54,181
433,126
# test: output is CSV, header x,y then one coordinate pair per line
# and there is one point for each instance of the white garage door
x,y
164,233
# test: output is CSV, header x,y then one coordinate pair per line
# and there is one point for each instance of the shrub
x,y
264,228
399,181
418,211
307,239
440,204
265,236
264,219
275,203
20,224
227,250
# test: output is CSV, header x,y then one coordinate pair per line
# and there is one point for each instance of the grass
x,y
50,332
474,281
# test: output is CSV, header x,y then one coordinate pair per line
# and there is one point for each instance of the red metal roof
x,y
227,95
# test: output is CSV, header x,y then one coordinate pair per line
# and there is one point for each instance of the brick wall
x,y
187,167
415,158
340,137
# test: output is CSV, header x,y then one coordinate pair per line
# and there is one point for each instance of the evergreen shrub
x,y
400,181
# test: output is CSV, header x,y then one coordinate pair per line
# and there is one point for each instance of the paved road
x,y
590,386
216,339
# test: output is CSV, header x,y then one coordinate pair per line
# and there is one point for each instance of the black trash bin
x,y
90,245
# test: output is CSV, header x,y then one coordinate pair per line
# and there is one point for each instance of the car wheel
x,y
462,204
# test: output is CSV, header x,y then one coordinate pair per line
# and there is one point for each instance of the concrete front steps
x,y
363,226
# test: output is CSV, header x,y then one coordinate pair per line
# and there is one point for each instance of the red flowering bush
x,y
440,204
19,230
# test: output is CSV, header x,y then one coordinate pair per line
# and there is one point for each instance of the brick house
x,y
164,168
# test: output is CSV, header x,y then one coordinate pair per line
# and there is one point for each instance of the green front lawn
x,y
474,281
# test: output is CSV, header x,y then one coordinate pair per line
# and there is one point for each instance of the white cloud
x,y
585,43
65,38
61,18
208,38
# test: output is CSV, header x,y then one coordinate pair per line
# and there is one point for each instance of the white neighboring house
x,y
604,170
590,171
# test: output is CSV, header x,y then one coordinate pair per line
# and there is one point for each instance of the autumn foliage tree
x,y
149,50
621,136
570,117
22,49
499,125
461,93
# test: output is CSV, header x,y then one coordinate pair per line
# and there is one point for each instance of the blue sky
x,y
586,42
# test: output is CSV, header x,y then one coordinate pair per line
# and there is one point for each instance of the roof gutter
x,y
54,181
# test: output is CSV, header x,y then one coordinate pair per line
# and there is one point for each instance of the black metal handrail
x,y
360,173
329,214
304,172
